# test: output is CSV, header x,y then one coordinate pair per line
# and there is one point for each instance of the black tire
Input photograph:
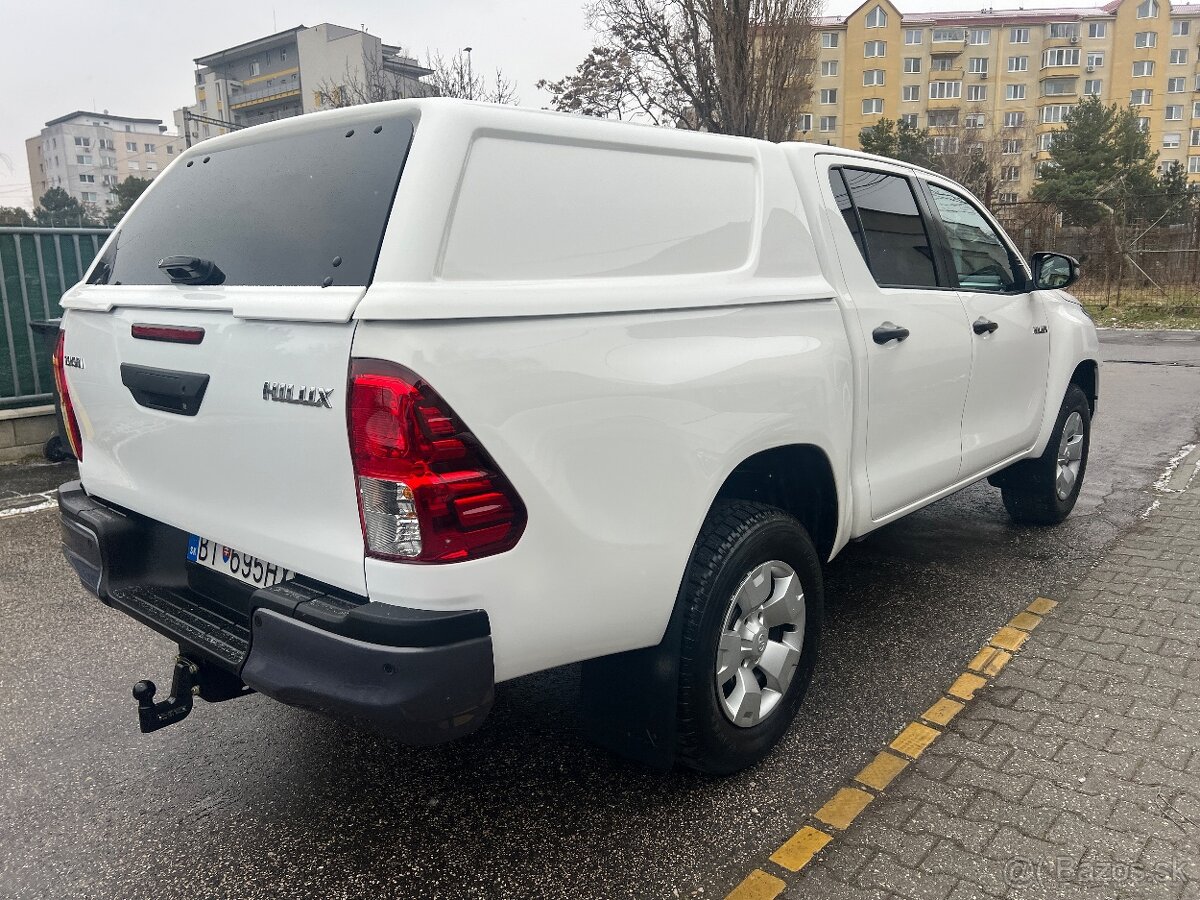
x,y
1029,489
737,537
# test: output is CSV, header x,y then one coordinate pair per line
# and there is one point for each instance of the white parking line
x,y
40,502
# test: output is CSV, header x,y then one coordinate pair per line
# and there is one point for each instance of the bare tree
x,y
375,82
729,66
456,78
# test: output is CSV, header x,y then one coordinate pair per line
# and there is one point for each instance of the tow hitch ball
x,y
184,686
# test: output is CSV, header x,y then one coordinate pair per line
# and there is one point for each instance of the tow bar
x,y
189,680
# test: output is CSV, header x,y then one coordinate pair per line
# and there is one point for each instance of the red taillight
x,y
172,334
64,398
427,491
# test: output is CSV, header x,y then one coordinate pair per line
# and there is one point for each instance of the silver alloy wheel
x,y
762,636
1070,455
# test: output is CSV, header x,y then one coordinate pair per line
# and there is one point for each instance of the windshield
x,y
296,209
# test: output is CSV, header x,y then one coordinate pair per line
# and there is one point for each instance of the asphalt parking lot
x,y
253,799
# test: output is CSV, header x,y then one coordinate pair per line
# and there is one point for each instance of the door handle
x,y
889,331
984,326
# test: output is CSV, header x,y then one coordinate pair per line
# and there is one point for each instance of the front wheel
x,y
1043,491
753,602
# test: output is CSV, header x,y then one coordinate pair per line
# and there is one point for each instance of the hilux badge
x,y
304,396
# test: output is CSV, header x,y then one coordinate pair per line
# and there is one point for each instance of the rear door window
x,y
293,209
889,229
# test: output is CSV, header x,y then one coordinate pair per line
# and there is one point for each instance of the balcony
x,y
269,94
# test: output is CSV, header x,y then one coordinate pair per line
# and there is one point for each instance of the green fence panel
x,y
37,266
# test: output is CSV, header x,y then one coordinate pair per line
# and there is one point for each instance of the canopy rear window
x,y
306,209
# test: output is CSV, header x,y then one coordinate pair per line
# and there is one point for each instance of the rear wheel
x,y
1043,491
752,601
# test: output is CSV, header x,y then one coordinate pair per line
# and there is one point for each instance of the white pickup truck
x,y
379,407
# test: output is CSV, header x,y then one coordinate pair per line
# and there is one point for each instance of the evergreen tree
x,y
899,140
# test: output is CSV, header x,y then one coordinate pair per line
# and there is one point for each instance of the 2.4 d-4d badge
x,y
304,396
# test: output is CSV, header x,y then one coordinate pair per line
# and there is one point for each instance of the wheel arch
x,y
1087,377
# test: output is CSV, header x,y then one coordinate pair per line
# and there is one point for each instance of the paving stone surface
x,y
1076,773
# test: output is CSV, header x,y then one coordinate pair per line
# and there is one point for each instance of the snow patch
x,y
1165,478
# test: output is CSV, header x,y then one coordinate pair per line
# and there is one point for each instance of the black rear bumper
x,y
420,676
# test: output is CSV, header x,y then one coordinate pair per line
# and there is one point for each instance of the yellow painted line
x,y
1041,606
880,771
758,885
800,848
966,685
845,806
913,740
943,711
1008,638
1026,621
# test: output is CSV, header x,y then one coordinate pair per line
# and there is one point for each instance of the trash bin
x,y
58,448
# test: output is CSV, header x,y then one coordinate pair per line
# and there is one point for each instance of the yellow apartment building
x,y
1010,76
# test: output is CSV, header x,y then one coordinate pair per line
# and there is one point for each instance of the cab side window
x,y
981,258
882,213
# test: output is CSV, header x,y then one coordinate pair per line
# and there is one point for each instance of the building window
x,y
1018,35
1174,113
828,123
83,159
1091,87
912,65
979,36
1171,140
83,142
1097,29
1014,119
828,96
1007,197
1056,87
1195,138
1193,165
872,107
1010,173
170,149
1018,64
1046,141
1147,9
89,196
1176,85
1139,98
1052,115
1180,27
943,118
133,165
1095,60
1063,30
1195,111
1060,56
942,35
978,65
1011,146
914,36
1179,57
1143,68
149,148
87,179
131,146
1014,92
829,40
945,144
877,18
806,122
829,68
872,77
975,120
908,120
255,68
1143,123
911,93
282,54
873,49
942,63
976,92
1144,39
151,167
945,90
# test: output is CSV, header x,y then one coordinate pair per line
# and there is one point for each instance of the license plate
x,y
234,563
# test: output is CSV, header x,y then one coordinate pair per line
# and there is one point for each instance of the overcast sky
x,y
136,59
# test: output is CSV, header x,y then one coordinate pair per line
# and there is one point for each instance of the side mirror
x,y
1054,271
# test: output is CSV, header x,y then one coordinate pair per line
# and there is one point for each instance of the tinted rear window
x,y
290,210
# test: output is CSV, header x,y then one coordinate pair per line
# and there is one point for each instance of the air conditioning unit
x,y
1091,68
983,75
1074,39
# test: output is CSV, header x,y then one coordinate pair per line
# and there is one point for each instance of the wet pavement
x,y
251,798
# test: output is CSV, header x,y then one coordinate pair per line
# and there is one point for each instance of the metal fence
x,y
37,266
1127,257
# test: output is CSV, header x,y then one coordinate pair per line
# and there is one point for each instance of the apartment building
x,y
292,72
88,153
1010,76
